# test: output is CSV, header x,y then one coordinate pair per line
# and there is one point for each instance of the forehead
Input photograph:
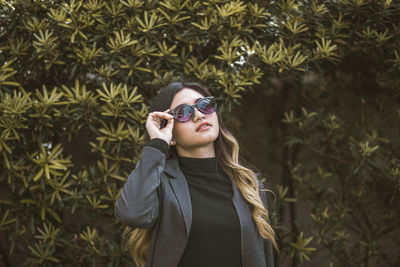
x,y
186,96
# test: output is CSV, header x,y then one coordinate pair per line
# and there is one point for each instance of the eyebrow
x,y
195,101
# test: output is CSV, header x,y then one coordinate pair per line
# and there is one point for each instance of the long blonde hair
x,y
227,154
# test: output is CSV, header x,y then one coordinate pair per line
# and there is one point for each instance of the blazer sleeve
x,y
268,248
138,204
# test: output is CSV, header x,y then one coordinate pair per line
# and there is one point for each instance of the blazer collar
x,y
172,167
181,189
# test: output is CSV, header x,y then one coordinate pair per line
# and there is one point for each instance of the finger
x,y
170,124
169,117
166,112
159,113
162,115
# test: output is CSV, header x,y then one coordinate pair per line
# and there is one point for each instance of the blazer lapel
x,y
181,190
252,254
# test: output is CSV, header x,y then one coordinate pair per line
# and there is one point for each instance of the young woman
x,y
189,202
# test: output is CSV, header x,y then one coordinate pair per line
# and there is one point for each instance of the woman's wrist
x,y
159,144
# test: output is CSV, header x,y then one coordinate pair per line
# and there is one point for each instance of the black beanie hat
x,y
164,98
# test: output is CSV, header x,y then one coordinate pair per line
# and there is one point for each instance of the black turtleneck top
x,y
214,238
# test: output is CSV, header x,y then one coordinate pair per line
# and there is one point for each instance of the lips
x,y
202,124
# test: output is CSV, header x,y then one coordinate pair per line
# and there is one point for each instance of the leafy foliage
x,y
76,78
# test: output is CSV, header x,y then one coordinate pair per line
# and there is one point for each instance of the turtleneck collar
x,y
198,165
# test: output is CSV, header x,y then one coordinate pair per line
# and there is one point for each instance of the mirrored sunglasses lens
x,y
206,105
184,113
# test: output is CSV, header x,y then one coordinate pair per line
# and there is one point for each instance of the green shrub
x,y
76,78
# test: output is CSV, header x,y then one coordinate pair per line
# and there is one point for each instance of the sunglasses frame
x,y
193,108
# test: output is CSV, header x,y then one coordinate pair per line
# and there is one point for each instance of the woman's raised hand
x,y
153,125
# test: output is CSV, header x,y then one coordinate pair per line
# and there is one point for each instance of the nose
x,y
198,115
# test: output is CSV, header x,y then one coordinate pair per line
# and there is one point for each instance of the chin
x,y
209,137
200,142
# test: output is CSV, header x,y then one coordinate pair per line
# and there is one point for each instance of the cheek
x,y
179,130
214,119
217,128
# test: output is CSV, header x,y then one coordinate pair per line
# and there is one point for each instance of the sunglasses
x,y
184,113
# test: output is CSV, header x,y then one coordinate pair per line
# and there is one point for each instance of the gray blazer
x,y
156,195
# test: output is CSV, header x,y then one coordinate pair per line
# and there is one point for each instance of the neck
x,y
207,151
